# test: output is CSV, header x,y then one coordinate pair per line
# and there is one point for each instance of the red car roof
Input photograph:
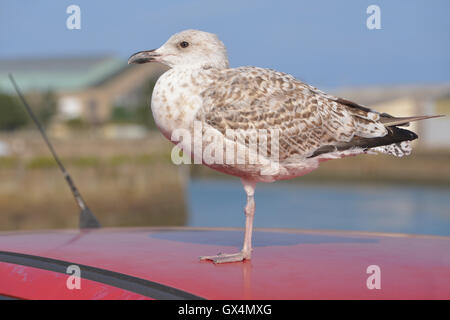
x,y
162,263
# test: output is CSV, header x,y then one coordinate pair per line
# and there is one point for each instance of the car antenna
x,y
87,218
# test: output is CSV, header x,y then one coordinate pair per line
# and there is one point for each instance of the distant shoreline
x,y
424,167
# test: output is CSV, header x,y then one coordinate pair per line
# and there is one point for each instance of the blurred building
x,y
86,87
408,101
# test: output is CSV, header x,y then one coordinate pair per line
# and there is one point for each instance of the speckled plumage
x,y
250,97
255,98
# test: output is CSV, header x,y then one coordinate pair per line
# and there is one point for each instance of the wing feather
x,y
309,120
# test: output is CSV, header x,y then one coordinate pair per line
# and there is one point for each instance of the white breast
x,y
176,99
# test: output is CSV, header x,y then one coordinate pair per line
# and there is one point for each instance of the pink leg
x,y
249,187
245,253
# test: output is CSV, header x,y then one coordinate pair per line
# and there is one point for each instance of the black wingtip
x,y
414,136
403,134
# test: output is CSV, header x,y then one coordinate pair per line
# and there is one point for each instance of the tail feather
x,y
394,135
399,149
388,120
396,141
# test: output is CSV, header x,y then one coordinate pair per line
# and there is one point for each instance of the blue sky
x,y
325,43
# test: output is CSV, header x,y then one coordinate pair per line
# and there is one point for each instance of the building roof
x,y
79,72
59,73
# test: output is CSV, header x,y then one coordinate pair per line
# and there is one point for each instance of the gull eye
x,y
184,44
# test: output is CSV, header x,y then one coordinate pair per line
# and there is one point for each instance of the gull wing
x,y
310,122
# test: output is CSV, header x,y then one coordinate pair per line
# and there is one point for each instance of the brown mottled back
x,y
308,119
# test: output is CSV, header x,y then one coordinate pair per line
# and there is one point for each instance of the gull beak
x,y
144,57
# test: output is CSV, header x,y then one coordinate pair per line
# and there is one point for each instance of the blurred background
x,y
96,111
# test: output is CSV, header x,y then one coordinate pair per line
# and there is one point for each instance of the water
x,y
398,209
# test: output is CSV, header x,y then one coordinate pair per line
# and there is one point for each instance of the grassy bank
x,y
124,182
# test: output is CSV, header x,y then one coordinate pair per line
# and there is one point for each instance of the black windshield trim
x,y
119,280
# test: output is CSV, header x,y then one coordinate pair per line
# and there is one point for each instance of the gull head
x,y
189,48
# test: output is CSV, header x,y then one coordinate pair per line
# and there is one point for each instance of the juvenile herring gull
x,y
306,125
